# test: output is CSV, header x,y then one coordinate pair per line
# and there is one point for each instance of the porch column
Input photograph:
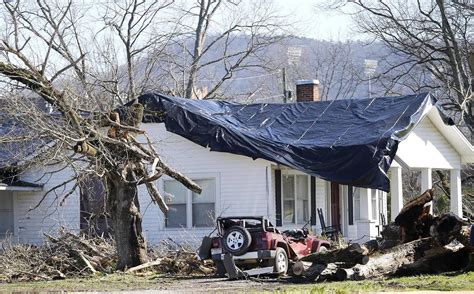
x,y
427,183
456,196
396,192
365,203
366,229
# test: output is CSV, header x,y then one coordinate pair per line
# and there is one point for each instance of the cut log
x,y
313,272
353,254
300,267
343,274
390,261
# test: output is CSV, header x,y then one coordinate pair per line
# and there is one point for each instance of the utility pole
x,y
285,91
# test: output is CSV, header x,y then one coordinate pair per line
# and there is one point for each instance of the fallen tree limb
x,y
88,263
145,265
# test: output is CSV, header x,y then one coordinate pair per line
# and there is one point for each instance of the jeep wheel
x,y
281,261
236,240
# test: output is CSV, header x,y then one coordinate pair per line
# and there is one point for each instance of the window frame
x,y
189,198
295,197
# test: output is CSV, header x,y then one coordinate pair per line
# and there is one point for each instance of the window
x,y
6,215
356,196
375,194
188,209
295,194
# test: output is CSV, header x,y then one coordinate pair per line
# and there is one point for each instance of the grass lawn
x,y
445,282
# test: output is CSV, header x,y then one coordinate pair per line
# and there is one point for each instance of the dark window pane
x,y
288,211
176,216
208,193
203,214
6,222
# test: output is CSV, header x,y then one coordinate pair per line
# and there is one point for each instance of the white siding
x,y
49,216
242,182
426,147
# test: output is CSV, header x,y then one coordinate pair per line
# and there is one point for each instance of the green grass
x,y
445,282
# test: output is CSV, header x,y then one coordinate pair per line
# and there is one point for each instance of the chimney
x,y
307,91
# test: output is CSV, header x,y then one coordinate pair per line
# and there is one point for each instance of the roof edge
x,y
454,136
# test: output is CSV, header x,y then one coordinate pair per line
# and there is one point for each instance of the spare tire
x,y
236,240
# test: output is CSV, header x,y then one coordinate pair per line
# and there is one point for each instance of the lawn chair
x,y
331,232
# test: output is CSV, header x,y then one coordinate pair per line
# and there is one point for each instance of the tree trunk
x,y
389,262
124,210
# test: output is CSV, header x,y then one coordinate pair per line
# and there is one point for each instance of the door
x,y
335,205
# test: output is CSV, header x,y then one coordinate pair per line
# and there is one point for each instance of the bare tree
x,y
227,35
432,41
63,53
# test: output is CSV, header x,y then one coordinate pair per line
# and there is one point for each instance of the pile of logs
x,y
416,243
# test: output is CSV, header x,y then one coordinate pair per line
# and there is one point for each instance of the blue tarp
x,y
351,142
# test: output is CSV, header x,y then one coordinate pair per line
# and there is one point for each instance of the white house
x,y
238,185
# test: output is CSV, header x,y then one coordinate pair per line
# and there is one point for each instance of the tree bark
x,y
127,221
389,262
351,255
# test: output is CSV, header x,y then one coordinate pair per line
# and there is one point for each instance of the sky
x,y
314,23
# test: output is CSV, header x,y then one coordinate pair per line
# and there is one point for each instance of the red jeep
x,y
255,242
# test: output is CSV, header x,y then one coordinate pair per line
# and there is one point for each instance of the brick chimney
x,y
307,91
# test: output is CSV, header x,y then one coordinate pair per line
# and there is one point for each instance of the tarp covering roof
x,y
351,142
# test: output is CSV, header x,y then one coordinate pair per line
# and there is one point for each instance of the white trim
x,y
291,172
18,188
270,192
454,136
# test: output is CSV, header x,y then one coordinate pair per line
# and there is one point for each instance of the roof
x,y
12,151
350,141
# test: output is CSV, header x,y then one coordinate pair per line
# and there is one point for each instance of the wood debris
x,y
416,243
69,255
